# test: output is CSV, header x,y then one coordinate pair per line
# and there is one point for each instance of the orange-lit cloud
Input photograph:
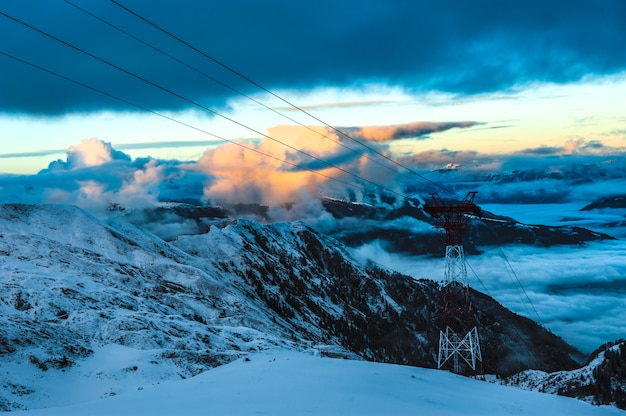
x,y
303,159
572,145
245,175
140,189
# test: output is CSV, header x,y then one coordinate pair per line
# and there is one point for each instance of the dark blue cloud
x,y
31,154
542,151
456,46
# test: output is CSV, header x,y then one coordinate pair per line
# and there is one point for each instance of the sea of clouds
x,y
577,292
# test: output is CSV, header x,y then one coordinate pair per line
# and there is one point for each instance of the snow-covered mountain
x,y
75,289
554,180
600,381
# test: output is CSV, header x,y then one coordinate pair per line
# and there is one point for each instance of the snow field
x,y
291,383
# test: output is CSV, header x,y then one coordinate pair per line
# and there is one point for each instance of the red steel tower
x,y
459,348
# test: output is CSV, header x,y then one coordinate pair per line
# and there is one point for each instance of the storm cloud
x,y
451,46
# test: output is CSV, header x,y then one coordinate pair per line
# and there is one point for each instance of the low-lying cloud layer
x,y
576,292
453,46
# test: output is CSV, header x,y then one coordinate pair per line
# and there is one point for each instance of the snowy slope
x,y
91,309
601,381
71,284
290,383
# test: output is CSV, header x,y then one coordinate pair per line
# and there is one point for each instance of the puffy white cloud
x,y
88,153
93,176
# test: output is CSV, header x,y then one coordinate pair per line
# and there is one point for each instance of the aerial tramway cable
x,y
299,108
229,87
284,100
182,123
192,102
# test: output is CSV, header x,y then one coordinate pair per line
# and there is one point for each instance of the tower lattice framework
x,y
459,346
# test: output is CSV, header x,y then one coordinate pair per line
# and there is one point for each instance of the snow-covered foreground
x,y
292,383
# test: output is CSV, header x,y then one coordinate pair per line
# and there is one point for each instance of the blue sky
x,y
444,84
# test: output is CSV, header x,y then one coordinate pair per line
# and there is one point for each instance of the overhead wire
x,y
511,271
165,116
194,103
299,108
232,120
225,85
284,100
477,278
510,268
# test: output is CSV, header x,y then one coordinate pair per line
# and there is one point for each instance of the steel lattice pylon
x,y
452,348
459,346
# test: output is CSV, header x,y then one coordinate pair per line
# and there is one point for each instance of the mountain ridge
x,y
73,284
401,227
